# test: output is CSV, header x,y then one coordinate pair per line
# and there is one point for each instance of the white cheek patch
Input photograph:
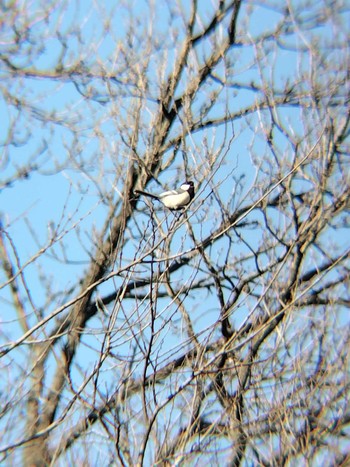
x,y
186,186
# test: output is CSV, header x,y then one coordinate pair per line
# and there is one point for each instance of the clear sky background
x,y
60,183
68,190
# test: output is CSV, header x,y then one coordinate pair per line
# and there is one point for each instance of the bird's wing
x,y
169,193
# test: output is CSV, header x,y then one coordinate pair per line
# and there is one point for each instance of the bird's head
x,y
188,185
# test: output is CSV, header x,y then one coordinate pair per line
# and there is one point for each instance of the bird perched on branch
x,y
174,199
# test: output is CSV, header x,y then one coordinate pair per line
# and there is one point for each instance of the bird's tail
x,y
146,194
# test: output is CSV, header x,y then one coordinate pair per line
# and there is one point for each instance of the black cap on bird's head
x,y
189,187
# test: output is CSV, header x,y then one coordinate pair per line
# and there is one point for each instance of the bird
x,y
174,199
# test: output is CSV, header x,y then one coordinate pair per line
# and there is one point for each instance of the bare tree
x,y
135,335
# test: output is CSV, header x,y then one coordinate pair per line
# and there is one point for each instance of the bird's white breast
x,y
174,200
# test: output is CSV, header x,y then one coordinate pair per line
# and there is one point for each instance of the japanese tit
x,y
174,199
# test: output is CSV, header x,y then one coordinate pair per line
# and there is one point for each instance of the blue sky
x,y
59,187
59,193
75,146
